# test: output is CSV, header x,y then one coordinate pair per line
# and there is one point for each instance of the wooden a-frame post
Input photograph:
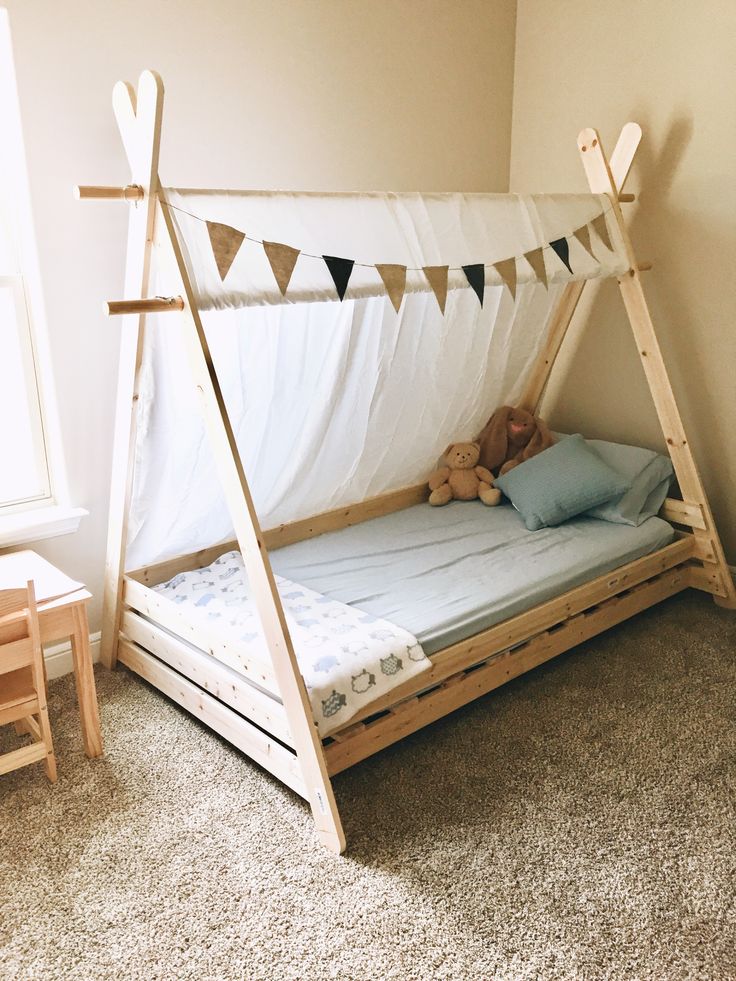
x,y
717,578
608,177
140,127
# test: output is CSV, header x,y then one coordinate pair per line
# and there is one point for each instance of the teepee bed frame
x,y
264,710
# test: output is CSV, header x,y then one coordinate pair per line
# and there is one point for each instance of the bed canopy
x,y
298,376
329,346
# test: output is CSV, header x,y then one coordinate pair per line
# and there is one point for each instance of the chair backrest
x,y
20,639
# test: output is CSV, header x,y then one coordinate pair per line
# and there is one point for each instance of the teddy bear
x,y
461,479
510,437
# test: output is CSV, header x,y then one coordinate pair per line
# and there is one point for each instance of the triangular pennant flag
x,y
476,276
582,234
535,258
562,248
437,279
340,270
506,269
283,259
394,279
601,228
225,242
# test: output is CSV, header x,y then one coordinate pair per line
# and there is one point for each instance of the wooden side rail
x,y
518,629
358,741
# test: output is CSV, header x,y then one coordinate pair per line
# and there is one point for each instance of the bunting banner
x,y
476,276
562,248
582,234
506,269
226,242
394,279
340,270
437,279
601,229
535,258
282,259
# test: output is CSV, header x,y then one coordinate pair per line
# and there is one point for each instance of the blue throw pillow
x,y
561,482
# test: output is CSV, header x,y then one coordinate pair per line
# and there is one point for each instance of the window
x,y
24,470
33,497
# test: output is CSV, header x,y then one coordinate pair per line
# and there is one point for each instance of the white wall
x,y
322,94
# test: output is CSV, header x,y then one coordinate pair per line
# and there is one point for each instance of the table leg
x,y
85,680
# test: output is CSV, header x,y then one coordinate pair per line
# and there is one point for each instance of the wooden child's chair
x,y
23,680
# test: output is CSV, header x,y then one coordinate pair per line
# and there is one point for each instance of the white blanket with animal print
x,y
347,658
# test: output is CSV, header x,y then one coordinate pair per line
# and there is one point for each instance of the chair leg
x,y
50,760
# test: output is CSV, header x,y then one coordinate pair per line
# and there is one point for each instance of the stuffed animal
x,y
461,479
511,436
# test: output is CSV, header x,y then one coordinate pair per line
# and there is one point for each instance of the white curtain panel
x,y
330,402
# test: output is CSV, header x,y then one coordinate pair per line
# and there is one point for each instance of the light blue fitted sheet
x,y
447,573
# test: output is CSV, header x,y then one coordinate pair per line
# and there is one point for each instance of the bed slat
x,y
268,753
210,674
161,610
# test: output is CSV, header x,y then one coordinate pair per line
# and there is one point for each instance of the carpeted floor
x,y
578,823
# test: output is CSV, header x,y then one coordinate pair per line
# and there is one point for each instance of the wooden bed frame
x,y
264,710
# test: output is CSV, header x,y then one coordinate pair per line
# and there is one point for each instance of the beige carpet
x,y
578,823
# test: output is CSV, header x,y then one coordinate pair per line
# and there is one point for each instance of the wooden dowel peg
x,y
626,198
156,304
88,192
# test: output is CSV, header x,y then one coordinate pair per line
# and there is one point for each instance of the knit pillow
x,y
559,483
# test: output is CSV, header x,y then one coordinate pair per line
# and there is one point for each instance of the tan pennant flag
x,y
394,279
283,259
506,269
437,279
582,234
599,224
535,258
225,242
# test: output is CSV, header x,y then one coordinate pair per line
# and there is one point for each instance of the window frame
x,y
51,513
34,401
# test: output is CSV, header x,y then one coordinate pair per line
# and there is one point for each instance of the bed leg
x,y
334,841
727,602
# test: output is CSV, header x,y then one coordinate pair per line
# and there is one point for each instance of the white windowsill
x,y
46,522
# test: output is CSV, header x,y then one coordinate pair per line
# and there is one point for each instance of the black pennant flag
x,y
562,248
476,276
340,270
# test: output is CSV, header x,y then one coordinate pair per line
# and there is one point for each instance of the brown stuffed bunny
x,y
461,479
511,436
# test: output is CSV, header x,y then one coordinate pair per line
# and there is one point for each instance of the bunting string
x,y
226,242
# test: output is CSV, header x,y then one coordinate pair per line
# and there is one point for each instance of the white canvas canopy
x,y
411,229
334,402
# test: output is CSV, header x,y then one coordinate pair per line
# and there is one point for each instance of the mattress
x,y
446,573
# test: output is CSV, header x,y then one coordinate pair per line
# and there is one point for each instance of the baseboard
x,y
59,657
